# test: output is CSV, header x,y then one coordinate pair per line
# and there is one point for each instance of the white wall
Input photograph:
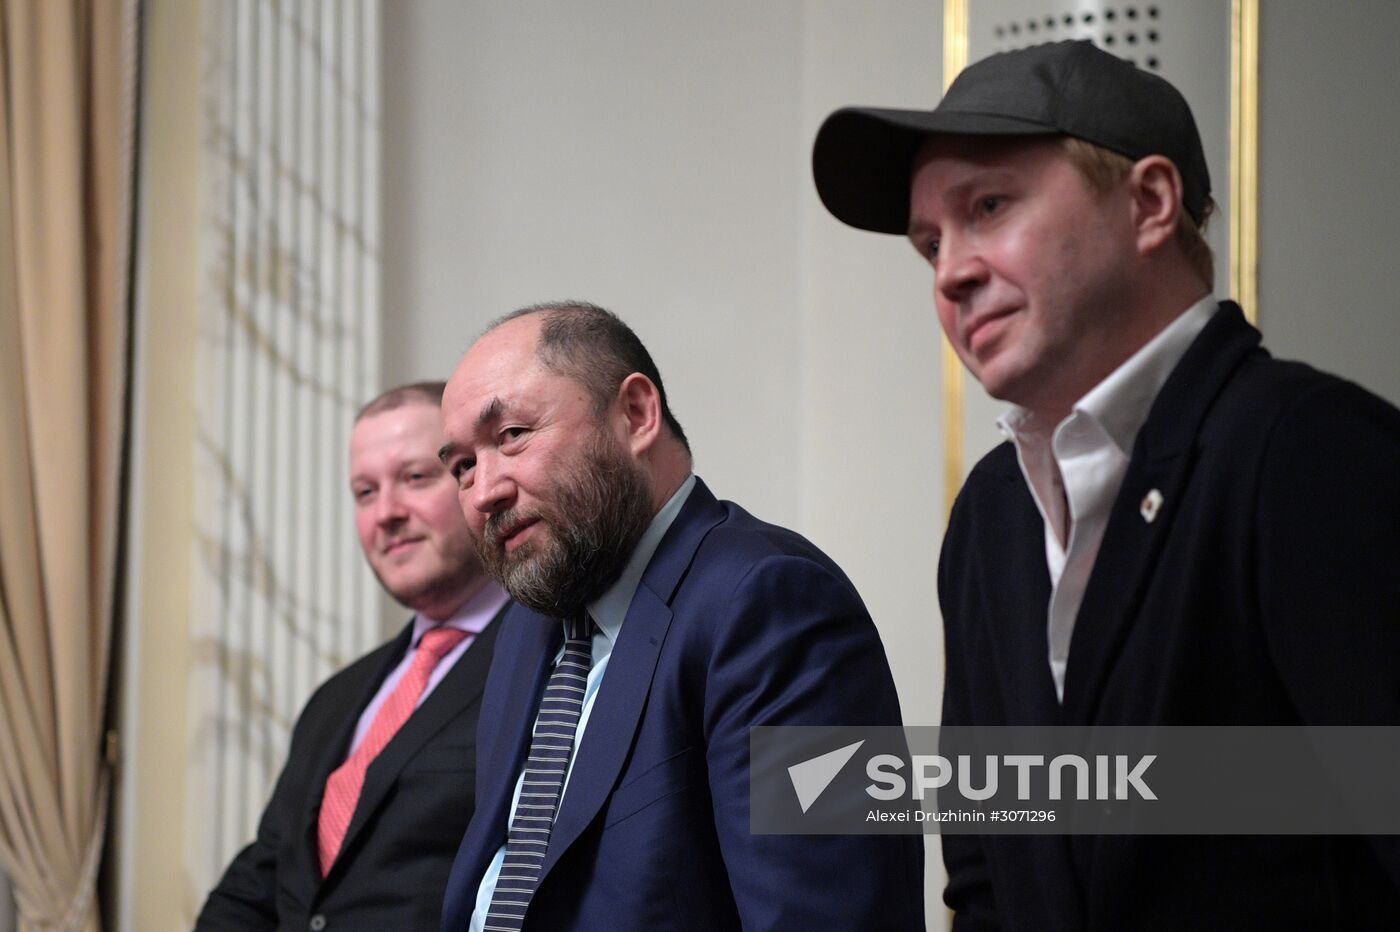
x,y
870,462
1329,187
870,459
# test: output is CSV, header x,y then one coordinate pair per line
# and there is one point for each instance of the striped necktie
x,y
543,784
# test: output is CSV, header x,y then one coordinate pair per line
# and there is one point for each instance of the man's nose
x,y
961,268
492,489
389,506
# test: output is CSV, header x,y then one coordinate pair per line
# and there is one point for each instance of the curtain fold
x,y
66,116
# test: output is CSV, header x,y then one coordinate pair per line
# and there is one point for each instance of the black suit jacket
x,y
1265,592
734,623
416,802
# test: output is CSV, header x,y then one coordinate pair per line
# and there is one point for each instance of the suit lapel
x,y
533,640
1021,654
443,704
333,753
617,710
1162,460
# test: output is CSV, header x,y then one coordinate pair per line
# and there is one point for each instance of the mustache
x,y
505,523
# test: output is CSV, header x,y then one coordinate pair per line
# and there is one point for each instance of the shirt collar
x,y
472,617
1122,401
610,608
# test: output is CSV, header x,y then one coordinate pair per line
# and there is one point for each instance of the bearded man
x,y
367,814
615,791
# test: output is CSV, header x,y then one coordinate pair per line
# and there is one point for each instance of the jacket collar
x,y
1162,461
461,687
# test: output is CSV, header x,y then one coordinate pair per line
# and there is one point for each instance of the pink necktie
x,y
343,786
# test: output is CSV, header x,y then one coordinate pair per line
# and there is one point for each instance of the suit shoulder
x,y
997,466
743,540
1288,401
741,557
993,485
1263,382
345,684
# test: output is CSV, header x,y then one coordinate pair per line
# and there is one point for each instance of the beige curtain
x,y
66,87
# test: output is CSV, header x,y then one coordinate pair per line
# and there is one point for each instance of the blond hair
x,y
1105,169
428,393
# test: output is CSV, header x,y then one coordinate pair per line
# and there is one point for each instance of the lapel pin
x,y
1151,504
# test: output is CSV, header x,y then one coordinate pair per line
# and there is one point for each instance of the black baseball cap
x,y
863,155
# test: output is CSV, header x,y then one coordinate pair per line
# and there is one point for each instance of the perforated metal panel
x,y
1133,30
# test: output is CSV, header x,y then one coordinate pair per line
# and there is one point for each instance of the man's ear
x,y
639,402
1156,190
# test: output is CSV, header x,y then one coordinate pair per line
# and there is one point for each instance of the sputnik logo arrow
x,y
811,777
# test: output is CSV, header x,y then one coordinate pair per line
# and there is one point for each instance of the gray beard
x,y
600,512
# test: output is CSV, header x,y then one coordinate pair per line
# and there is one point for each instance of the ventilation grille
x,y
1130,31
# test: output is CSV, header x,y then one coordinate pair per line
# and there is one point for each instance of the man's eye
x,y
460,468
990,204
931,251
513,433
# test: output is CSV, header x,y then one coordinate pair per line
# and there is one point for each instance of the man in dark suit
x,y
1181,530
377,790
685,621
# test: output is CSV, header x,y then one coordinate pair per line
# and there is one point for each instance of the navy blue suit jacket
x,y
735,623
1265,592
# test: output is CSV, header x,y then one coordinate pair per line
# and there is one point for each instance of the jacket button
x,y
318,923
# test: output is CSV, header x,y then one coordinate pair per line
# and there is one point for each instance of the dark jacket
x,y
1266,591
415,805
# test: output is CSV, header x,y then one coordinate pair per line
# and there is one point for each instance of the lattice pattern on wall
x,y
287,351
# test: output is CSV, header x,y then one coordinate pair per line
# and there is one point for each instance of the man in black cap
x,y
1181,530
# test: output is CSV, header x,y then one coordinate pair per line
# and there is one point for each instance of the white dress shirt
x,y
1075,468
